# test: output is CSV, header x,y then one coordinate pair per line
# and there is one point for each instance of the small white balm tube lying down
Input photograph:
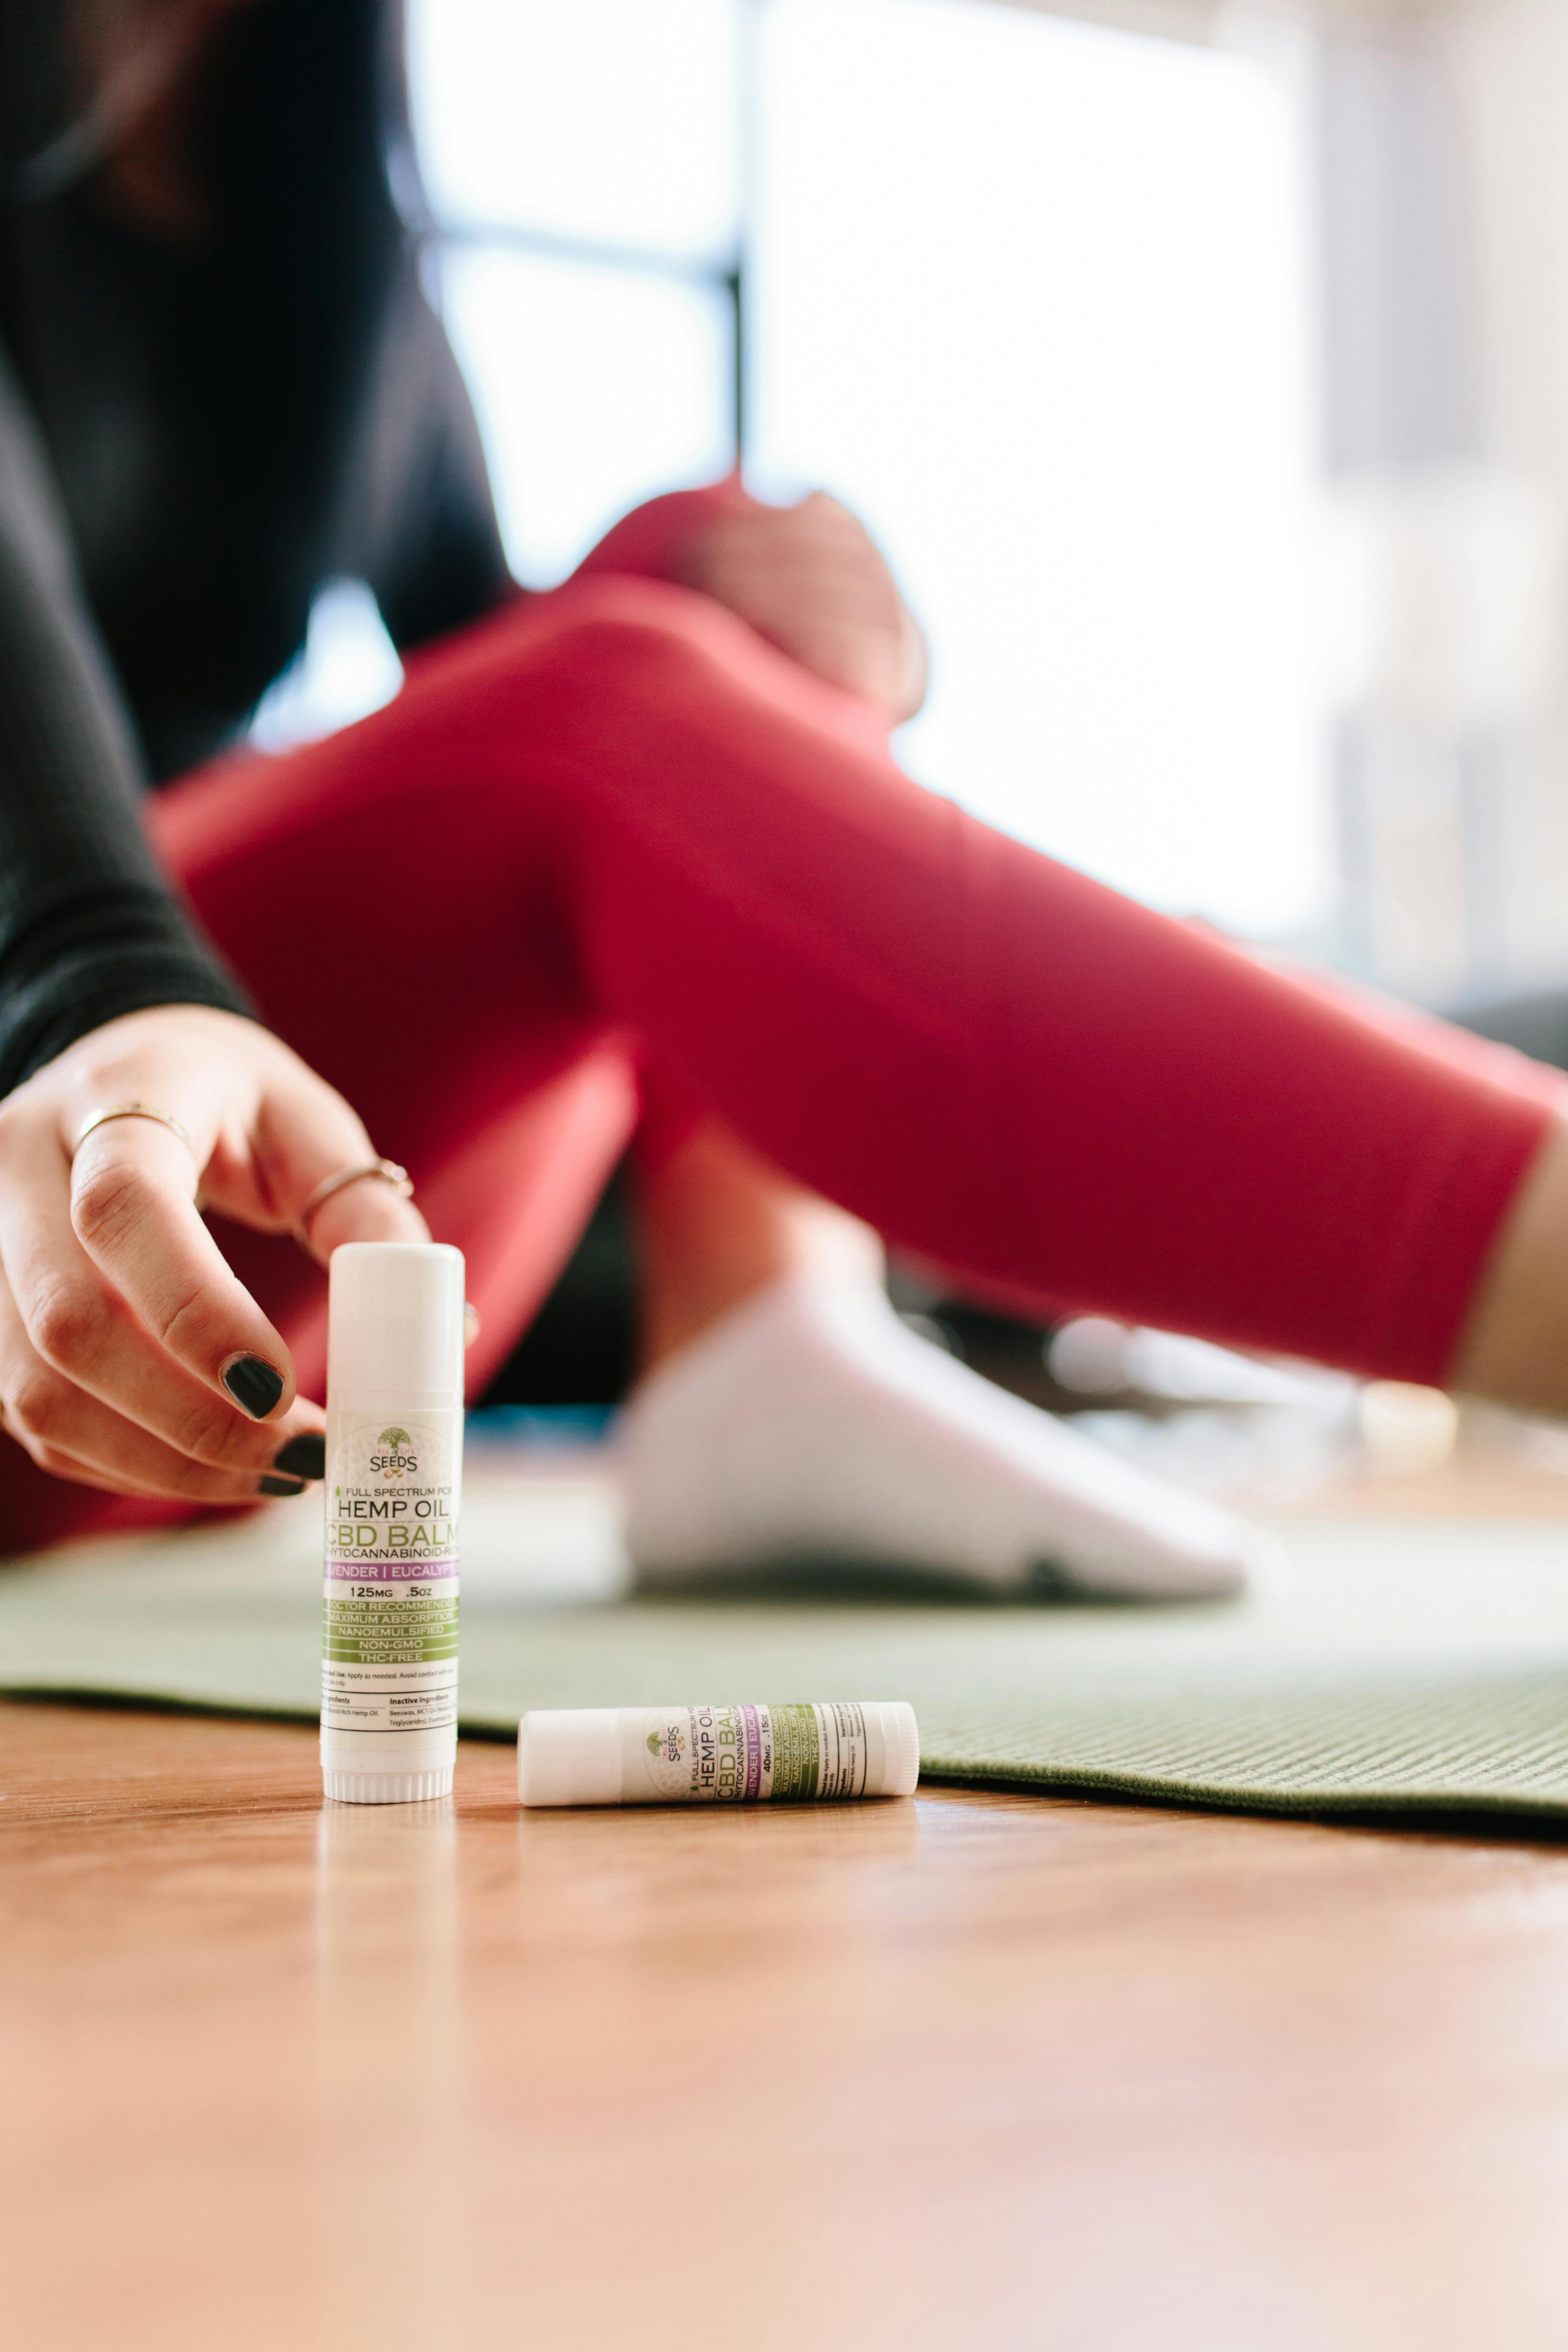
x,y
736,1755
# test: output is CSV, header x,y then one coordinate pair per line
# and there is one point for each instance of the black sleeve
x,y
423,533
89,929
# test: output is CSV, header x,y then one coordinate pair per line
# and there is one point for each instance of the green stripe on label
x,y
378,1632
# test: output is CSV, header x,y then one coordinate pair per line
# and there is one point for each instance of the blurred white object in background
x,y
1096,1357
1405,1429
1272,1454
1209,1417
1444,595
1444,622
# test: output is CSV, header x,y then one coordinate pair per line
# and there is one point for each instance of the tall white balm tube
x,y
394,1465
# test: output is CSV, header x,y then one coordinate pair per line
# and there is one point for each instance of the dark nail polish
x,y
280,1486
254,1385
304,1456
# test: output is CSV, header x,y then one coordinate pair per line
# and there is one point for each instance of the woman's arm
x,y
131,1358
89,929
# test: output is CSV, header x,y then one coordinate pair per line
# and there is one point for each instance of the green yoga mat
x,y
1412,1669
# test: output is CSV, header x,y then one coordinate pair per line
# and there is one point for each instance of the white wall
x,y
1443,200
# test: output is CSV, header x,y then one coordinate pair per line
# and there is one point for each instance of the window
x,y
1030,295
582,167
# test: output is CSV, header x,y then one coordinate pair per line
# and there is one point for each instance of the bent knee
x,y
651,640
616,645
617,618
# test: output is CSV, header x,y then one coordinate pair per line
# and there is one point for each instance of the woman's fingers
x,y
368,1211
74,1436
130,1355
133,1212
305,1133
80,1327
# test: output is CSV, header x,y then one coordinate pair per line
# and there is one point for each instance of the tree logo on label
x,y
393,1457
668,1776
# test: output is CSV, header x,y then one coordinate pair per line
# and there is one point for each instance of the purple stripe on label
x,y
752,1724
391,1571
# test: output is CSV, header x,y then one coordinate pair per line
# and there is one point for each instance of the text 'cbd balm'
x,y
395,1459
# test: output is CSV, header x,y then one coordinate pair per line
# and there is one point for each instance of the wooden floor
x,y
968,2071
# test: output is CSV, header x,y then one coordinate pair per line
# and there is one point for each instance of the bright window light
x,y
607,119
1030,296
595,387
349,667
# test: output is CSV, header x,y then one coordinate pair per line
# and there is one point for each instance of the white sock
x,y
810,1423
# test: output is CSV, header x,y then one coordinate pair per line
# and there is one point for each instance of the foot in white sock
x,y
811,1425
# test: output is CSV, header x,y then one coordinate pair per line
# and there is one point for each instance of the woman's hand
x,y
131,1356
810,580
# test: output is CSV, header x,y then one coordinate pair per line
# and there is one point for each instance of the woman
x,y
629,854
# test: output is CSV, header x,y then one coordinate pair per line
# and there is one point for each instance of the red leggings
x,y
609,836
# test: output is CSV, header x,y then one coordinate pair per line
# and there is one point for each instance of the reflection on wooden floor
x,y
968,2069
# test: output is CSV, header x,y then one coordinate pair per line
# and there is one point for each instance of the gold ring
x,y
134,1110
386,1171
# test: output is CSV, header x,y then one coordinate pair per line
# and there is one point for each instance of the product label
x,y
389,1633
741,1755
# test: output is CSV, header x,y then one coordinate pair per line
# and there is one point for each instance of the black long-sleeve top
x,y
191,439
